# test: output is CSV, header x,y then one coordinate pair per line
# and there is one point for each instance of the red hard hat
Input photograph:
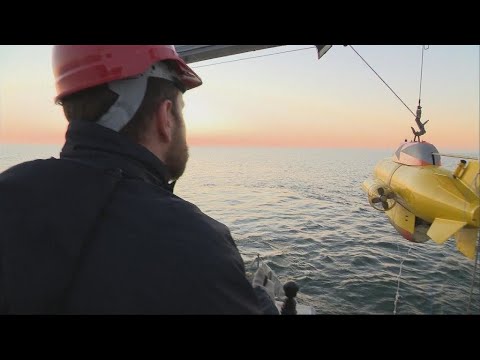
x,y
78,67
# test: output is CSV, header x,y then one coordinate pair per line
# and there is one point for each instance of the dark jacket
x,y
99,231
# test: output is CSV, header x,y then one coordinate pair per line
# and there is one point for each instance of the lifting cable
x,y
418,115
382,80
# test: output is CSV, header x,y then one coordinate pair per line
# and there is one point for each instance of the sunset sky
x,y
289,100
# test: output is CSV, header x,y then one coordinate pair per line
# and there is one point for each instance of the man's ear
x,y
163,121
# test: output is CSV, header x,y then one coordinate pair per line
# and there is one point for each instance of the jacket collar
x,y
93,143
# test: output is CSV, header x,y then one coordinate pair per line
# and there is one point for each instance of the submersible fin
x,y
442,229
467,242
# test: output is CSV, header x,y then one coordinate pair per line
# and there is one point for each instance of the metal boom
x,y
195,53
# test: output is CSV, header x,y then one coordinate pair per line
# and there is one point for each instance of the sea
x,y
303,212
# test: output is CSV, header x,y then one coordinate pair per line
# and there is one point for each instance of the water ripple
x,y
304,213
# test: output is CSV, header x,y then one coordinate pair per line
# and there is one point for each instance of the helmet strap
x,y
130,96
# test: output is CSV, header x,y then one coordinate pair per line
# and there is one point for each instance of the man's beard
x,y
177,155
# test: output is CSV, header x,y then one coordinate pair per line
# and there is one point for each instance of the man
x,y
99,231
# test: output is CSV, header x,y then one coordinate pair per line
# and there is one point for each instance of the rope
x,y
474,273
421,77
397,295
253,57
249,254
257,260
457,156
383,81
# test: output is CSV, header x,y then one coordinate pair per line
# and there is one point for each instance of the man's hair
x,y
90,104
